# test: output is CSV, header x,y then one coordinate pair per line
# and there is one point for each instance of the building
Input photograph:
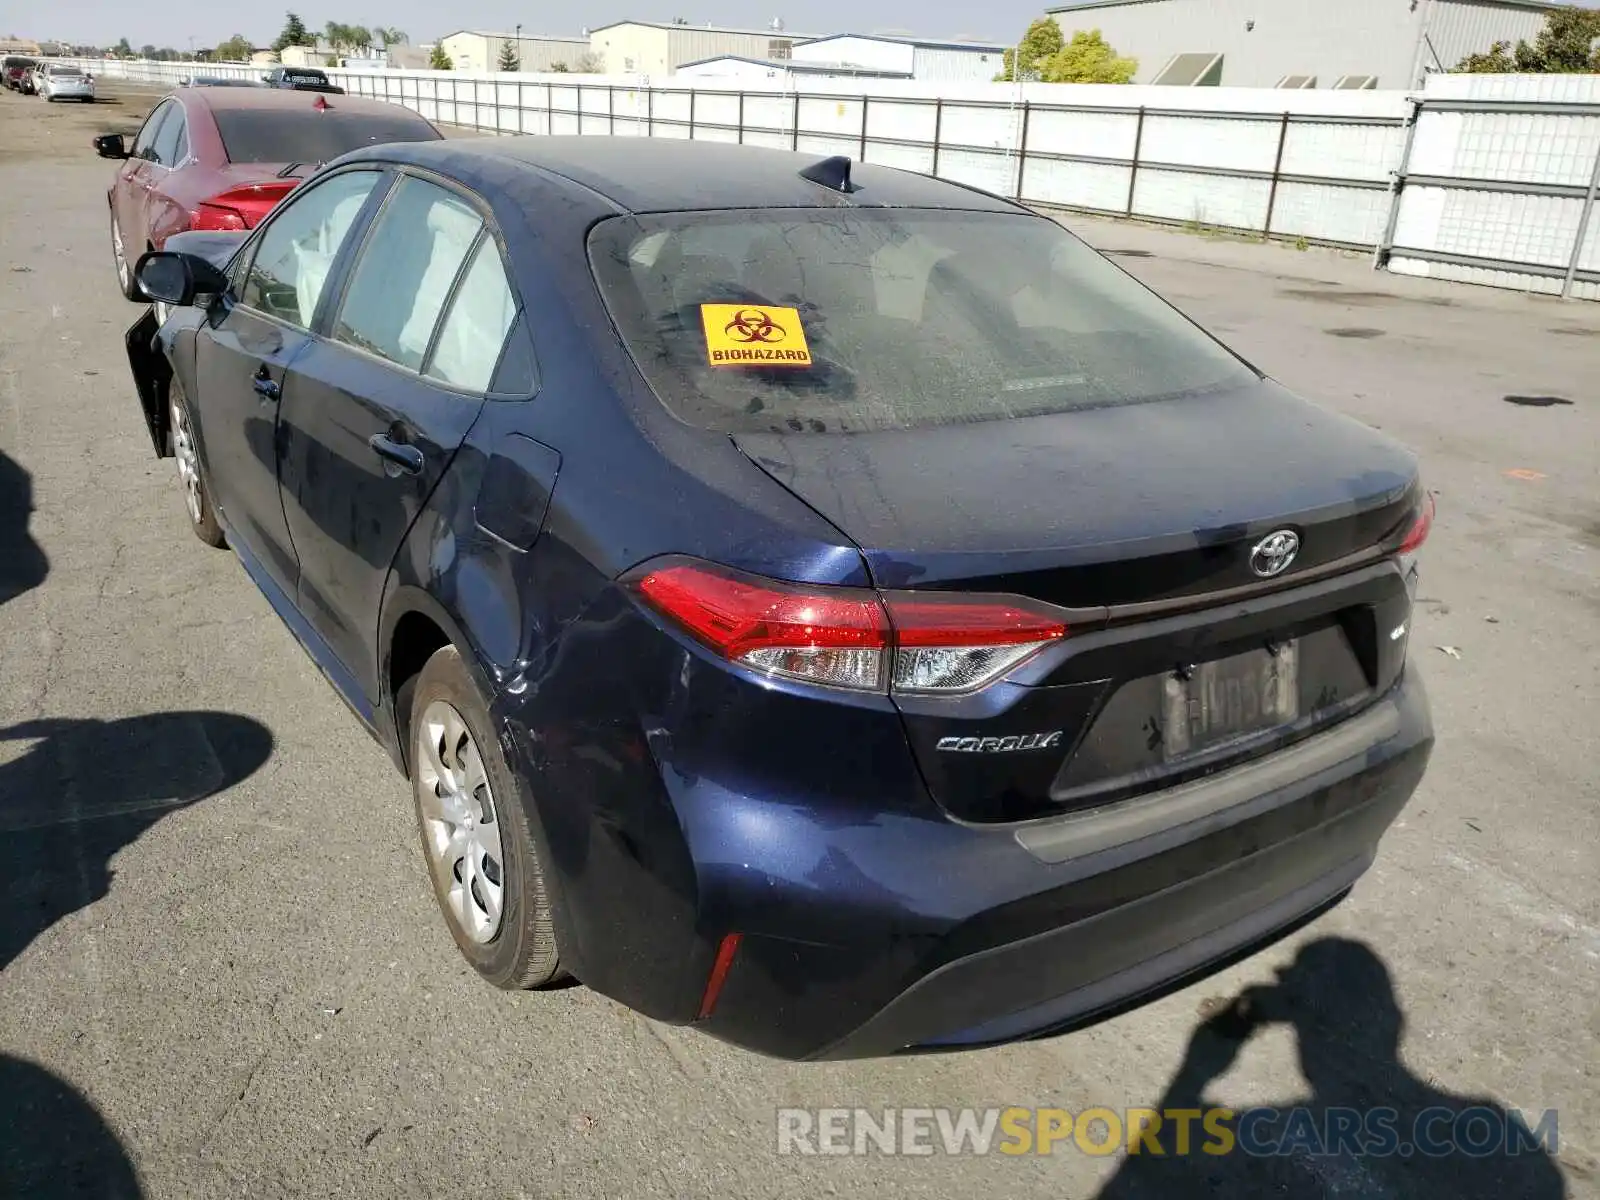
x,y
320,55
473,50
907,58
732,66
263,58
24,46
1267,43
652,48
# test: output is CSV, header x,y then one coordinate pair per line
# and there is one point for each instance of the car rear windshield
x,y
279,136
65,71
843,320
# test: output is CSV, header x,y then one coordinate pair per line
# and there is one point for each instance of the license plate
x,y
1231,698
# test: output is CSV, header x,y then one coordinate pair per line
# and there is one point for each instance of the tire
x,y
191,475
470,808
128,285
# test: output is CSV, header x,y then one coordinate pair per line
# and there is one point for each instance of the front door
x,y
243,356
135,178
374,414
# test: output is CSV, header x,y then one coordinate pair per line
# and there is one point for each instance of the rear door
x,y
374,412
241,360
129,193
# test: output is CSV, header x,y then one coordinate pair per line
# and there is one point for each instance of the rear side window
x,y
297,250
475,328
311,135
172,142
145,139
407,269
838,320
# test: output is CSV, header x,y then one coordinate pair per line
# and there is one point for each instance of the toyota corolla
x,y
817,603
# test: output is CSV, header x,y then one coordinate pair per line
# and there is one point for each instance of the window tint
x,y
277,135
474,330
173,134
835,320
516,375
406,271
298,248
152,126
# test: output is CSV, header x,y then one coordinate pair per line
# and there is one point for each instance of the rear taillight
x,y
241,207
853,638
1421,526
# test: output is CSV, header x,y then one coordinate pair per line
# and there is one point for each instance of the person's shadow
x,y
1369,1128
79,792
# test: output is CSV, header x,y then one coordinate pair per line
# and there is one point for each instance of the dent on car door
x,y
244,352
375,414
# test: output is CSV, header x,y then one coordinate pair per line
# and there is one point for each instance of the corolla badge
x,y
1272,554
1000,745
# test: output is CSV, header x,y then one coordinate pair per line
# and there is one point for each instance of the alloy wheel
x,y
188,461
460,827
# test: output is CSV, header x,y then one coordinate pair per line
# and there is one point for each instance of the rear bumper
x,y
1050,925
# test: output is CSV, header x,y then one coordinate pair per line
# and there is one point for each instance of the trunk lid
x,y
1151,511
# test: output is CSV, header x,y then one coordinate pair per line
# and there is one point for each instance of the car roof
x,y
229,98
674,175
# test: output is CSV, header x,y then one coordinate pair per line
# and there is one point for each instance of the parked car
x,y
17,73
36,80
220,158
824,605
59,82
301,79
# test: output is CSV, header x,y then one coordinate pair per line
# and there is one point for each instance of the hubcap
x,y
460,827
188,461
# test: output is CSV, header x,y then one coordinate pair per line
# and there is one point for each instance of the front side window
x,y
834,320
406,271
475,328
296,252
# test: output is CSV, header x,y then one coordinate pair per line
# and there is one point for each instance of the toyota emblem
x,y
1272,555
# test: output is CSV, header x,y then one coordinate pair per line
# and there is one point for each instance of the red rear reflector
x,y
850,637
242,207
719,974
320,104
1420,528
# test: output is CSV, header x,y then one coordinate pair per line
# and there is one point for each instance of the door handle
x,y
266,387
397,457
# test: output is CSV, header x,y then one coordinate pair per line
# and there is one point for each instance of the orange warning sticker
x,y
754,335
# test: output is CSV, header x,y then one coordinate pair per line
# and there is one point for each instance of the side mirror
x,y
178,279
109,145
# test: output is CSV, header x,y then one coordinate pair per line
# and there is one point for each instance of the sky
x,y
165,23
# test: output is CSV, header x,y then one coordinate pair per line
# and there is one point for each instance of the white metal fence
x,y
1499,185
1490,181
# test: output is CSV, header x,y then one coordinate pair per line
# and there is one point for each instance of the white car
x,y
66,83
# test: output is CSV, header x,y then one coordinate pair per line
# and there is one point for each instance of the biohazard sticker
x,y
754,335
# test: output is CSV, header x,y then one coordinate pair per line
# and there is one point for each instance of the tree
x,y
294,33
236,48
147,51
589,63
509,59
1088,58
390,36
559,68
123,50
1565,46
336,34
1042,40
439,60
360,37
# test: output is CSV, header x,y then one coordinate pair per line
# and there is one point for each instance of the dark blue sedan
x,y
818,603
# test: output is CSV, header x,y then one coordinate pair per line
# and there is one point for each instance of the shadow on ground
x,y
77,794
1369,1128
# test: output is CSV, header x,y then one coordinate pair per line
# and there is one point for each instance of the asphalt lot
x,y
221,971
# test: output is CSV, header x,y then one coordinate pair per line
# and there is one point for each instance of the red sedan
x,y
220,158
